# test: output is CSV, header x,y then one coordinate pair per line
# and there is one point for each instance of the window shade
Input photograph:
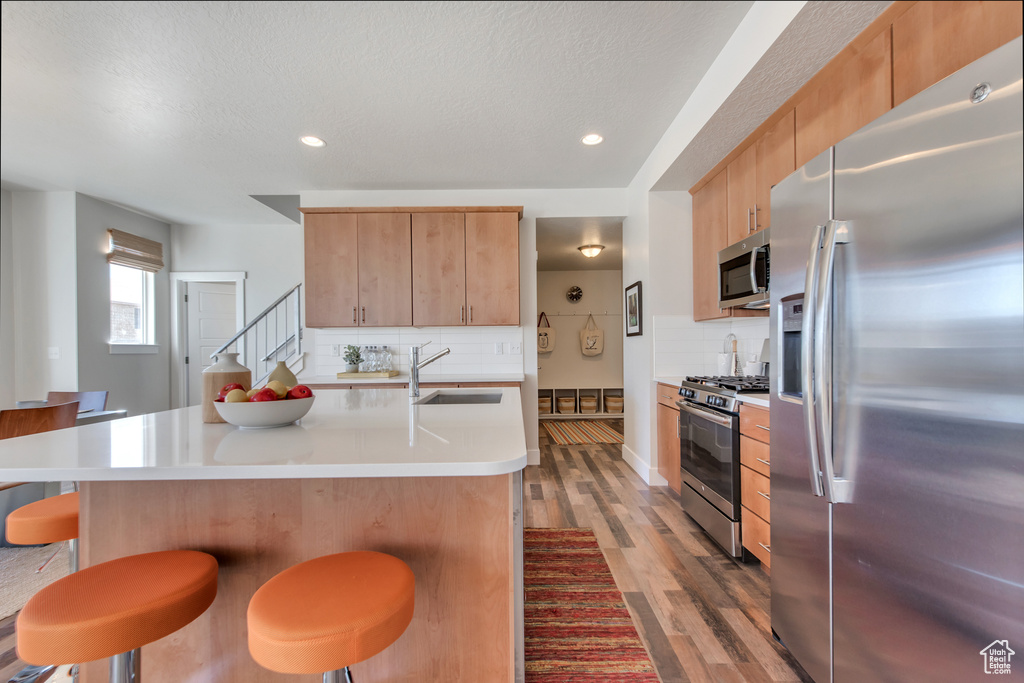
x,y
135,252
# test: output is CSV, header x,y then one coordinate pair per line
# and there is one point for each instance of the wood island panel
x,y
456,533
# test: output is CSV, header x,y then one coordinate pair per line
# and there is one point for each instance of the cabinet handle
x,y
364,314
750,213
766,547
462,314
763,461
669,398
353,314
763,427
757,226
764,495
470,314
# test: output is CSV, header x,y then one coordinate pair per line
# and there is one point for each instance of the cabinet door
x,y
668,446
776,159
385,269
710,207
742,195
858,92
331,266
492,268
931,40
438,269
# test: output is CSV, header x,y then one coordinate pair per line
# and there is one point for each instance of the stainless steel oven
x,y
709,454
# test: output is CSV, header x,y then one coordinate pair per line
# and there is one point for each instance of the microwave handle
x,y
753,270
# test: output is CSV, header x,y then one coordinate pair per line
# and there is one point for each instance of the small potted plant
x,y
352,358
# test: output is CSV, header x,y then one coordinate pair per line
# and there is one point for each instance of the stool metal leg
x,y
126,667
33,674
338,676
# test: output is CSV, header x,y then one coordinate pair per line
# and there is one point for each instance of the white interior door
x,y
211,323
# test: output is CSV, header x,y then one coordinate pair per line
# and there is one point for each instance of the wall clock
x,y
574,293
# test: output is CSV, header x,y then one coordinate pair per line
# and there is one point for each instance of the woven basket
x,y
613,404
566,404
588,404
544,404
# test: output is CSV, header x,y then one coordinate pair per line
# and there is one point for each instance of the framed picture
x,y
634,310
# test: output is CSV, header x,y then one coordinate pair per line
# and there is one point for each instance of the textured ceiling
x,y
184,109
819,31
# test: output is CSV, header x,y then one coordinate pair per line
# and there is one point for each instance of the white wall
x,y
139,383
44,303
658,224
566,367
7,398
270,255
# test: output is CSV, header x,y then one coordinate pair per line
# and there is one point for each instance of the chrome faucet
x,y
415,364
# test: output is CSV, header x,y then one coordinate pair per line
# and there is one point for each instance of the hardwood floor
x,y
703,616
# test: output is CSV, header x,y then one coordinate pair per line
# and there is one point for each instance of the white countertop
x,y
347,433
403,378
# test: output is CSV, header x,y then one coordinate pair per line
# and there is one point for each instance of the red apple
x,y
300,391
226,388
264,394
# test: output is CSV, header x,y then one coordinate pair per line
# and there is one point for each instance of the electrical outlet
x,y
515,348
497,349
335,349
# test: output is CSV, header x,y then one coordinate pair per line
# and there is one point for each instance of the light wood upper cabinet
x,y
332,276
439,269
385,269
492,268
931,40
856,94
742,174
358,269
710,235
776,159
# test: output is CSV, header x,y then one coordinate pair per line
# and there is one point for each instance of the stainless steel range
x,y
709,453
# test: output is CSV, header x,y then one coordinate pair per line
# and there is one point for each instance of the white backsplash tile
x,y
684,347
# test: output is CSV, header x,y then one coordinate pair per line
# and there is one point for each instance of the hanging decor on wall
x,y
545,335
574,294
634,310
591,338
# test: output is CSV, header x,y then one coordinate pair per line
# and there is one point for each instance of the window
x,y
131,305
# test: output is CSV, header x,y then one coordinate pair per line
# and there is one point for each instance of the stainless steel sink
x,y
443,398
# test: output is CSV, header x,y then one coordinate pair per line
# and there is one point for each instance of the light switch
x,y
497,349
335,349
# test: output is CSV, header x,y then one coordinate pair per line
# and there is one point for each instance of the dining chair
x,y
87,400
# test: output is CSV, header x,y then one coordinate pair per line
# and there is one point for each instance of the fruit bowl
x,y
264,414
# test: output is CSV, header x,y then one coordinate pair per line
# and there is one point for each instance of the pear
x,y
236,396
279,388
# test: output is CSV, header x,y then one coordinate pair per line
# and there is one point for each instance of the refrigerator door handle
x,y
807,378
836,232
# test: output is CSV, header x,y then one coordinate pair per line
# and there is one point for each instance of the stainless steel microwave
x,y
743,273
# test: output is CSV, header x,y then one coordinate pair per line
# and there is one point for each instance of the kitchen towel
x,y
545,335
591,338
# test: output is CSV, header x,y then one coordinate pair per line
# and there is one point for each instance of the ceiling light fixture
x,y
312,141
592,139
591,250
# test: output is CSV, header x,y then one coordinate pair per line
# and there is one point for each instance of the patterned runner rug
x,y
578,629
580,432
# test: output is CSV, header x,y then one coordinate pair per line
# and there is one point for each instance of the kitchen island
x,y
438,486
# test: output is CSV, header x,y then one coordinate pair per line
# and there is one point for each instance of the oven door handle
x,y
717,418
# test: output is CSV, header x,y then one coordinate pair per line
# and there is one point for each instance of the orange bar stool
x,y
45,521
114,608
326,614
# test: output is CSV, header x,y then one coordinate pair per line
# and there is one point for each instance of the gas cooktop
x,y
749,384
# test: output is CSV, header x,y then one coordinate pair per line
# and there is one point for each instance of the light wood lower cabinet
x,y
668,435
755,482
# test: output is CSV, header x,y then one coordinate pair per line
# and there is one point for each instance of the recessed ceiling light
x,y
592,139
312,141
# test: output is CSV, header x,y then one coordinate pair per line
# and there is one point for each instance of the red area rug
x,y
578,629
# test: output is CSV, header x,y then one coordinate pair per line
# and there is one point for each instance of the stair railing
x,y
274,335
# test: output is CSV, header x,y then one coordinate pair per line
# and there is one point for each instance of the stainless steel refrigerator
x,y
897,391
